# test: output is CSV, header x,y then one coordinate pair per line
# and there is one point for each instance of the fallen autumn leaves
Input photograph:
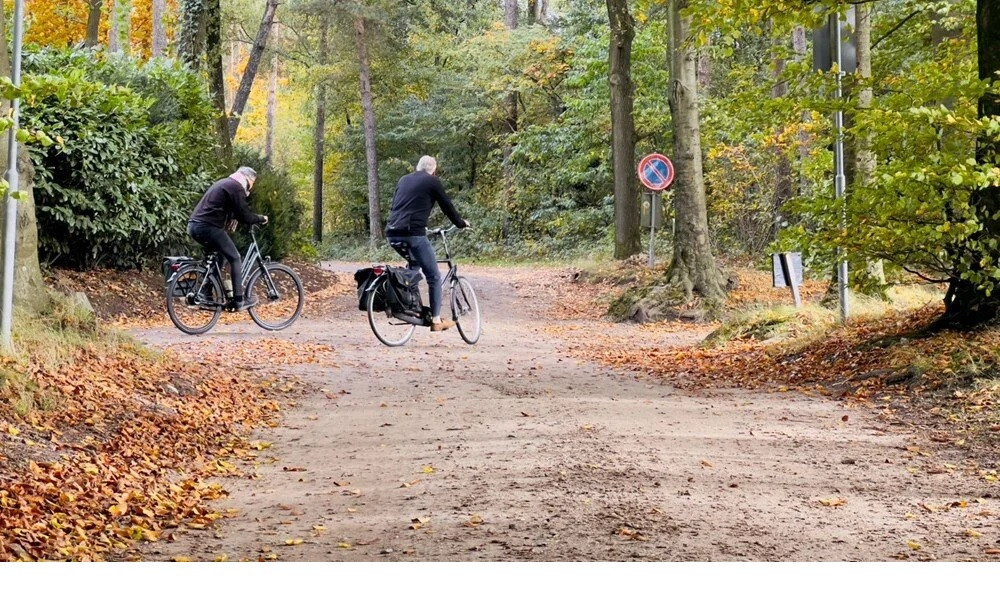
x,y
126,452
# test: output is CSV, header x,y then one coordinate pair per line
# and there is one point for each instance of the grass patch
x,y
772,323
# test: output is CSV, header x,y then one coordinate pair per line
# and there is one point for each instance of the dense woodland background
x,y
538,112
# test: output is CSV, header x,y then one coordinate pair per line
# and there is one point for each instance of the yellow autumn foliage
x,y
62,23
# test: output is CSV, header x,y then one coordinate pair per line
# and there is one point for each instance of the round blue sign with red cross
x,y
656,172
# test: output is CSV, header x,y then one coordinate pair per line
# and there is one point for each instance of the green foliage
x,y
134,154
274,196
915,213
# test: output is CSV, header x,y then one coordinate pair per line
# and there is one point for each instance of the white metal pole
x,y
839,179
10,223
654,200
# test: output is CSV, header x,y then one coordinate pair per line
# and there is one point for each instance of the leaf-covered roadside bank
x,y
940,383
104,445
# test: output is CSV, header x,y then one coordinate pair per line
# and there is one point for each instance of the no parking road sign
x,y
656,172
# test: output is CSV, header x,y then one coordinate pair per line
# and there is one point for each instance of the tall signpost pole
x,y
654,205
10,223
656,172
831,47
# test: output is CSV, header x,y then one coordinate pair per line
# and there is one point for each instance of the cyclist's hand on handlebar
x,y
265,219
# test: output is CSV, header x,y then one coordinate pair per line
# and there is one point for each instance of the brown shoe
x,y
442,325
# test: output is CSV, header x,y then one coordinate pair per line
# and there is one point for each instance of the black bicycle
x,y
394,326
196,297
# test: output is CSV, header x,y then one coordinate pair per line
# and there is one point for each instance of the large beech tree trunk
x,y
627,234
966,303
368,108
693,266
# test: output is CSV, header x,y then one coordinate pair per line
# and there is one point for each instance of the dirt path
x,y
511,450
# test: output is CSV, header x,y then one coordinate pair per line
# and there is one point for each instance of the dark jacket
x,y
224,200
412,204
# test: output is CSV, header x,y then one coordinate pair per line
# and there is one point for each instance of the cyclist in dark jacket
x,y
222,207
412,203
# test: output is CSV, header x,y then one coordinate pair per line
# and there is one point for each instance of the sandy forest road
x,y
512,450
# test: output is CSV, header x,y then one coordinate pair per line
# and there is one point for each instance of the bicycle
x,y
394,326
196,297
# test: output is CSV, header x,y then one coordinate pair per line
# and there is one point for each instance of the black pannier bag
x,y
364,278
406,285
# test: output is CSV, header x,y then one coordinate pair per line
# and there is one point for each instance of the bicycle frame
x,y
450,277
452,274
213,268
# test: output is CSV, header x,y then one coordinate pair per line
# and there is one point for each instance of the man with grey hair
x,y
406,229
222,207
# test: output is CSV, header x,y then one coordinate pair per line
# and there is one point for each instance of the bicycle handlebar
x,y
443,230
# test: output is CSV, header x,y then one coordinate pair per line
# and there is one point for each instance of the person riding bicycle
x,y
222,207
412,203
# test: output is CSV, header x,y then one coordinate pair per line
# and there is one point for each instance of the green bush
x,y
134,153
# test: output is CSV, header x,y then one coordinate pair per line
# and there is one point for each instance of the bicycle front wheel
x,y
388,329
194,312
279,296
465,310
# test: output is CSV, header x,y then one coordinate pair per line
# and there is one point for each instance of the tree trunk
x,y
800,48
542,12
217,78
510,22
693,266
190,45
368,108
704,70
865,159
966,303
114,44
121,25
253,64
93,22
159,28
30,293
319,141
627,210
272,106
510,14
783,166
939,31
537,12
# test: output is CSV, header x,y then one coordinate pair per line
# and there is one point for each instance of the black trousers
x,y
218,240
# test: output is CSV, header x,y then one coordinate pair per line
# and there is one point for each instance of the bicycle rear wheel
x,y
465,310
194,312
279,299
388,329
